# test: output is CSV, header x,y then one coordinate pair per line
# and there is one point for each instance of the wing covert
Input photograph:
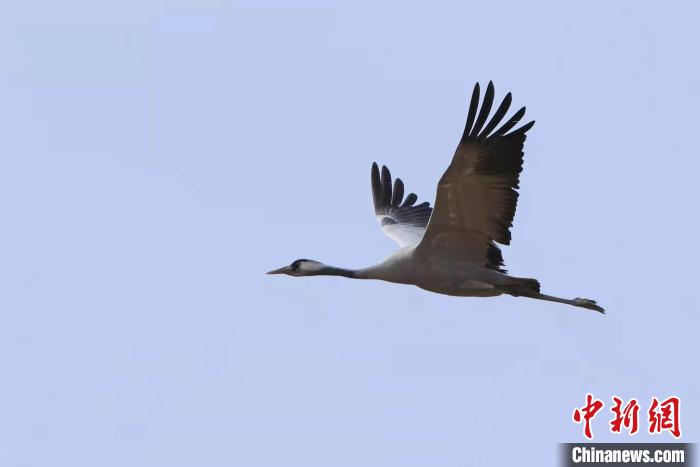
x,y
477,195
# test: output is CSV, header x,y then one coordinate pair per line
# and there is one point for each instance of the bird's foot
x,y
589,304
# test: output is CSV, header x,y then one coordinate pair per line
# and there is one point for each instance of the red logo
x,y
627,417
662,415
589,411
665,416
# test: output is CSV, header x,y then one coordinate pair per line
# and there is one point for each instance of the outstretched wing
x,y
476,197
401,219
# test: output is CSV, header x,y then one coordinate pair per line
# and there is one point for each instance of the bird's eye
x,y
295,265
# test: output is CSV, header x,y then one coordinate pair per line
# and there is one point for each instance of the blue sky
x,y
158,157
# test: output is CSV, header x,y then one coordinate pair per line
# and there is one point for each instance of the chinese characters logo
x,y
662,415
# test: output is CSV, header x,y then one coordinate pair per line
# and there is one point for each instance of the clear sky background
x,y
156,158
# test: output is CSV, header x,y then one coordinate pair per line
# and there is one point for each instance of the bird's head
x,y
301,267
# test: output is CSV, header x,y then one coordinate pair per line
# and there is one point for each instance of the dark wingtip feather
x,y
512,121
410,199
386,186
473,105
523,129
376,187
387,201
397,195
498,116
484,112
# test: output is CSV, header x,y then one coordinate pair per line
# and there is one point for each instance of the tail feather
x,y
522,286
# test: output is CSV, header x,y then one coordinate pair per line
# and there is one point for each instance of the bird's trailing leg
x,y
578,301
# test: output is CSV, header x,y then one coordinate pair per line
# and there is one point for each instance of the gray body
x,y
405,266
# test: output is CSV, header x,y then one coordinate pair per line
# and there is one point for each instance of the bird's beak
x,y
282,270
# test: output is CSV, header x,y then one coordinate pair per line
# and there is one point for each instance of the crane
x,y
452,249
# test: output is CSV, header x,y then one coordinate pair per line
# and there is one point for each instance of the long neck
x,y
370,272
334,271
